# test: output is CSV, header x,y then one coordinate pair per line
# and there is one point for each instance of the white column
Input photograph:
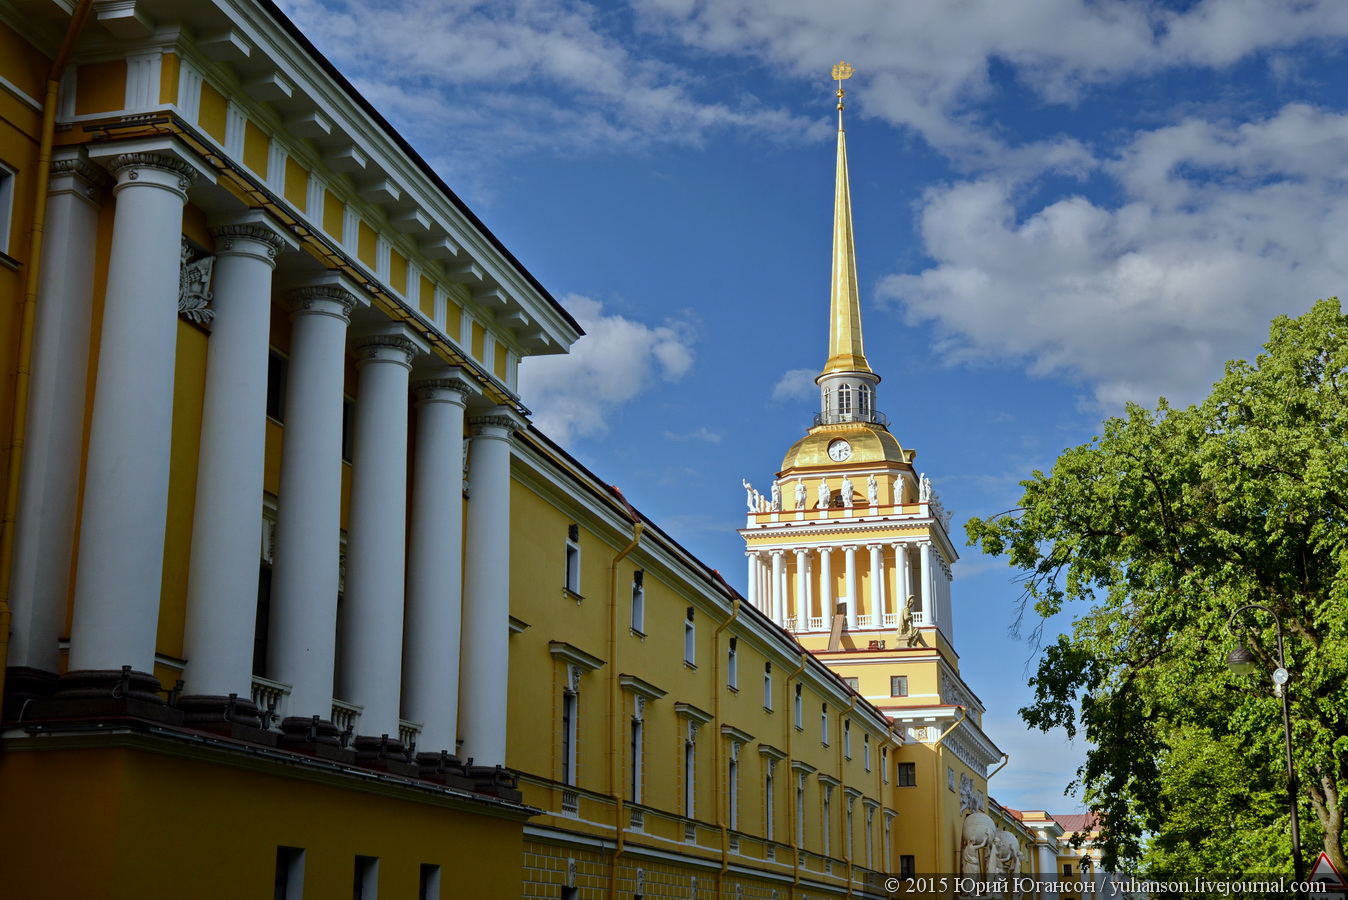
x,y
121,556
877,586
227,519
484,662
802,587
851,580
752,590
778,602
928,596
827,604
49,489
308,509
902,581
431,638
372,639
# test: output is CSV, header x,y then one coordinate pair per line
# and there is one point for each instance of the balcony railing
x,y
271,697
837,418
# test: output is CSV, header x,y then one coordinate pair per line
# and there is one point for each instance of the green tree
x,y
1160,529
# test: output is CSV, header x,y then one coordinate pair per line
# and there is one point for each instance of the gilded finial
x,y
841,72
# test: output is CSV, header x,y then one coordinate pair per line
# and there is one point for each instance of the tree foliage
x,y
1161,528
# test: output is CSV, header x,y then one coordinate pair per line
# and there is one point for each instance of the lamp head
x,y
1241,661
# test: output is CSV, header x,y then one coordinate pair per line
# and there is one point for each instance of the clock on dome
x,y
839,451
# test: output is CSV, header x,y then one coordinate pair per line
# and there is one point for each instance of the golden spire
x,y
845,353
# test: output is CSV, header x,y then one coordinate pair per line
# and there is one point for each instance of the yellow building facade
x,y
297,603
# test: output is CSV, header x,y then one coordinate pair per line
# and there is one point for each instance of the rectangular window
x,y
732,669
348,427
854,684
733,790
365,885
289,873
1067,869
262,623
6,207
866,750
847,738
429,888
898,685
799,708
690,639
800,810
767,686
823,724
907,866
906,774
639,602
884,765
769,800
827,820
573,560
689,793
569,711
278,370
636,750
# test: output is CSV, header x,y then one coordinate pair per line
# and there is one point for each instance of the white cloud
x,y
796,384
927,64
475,82
1222,228
617,359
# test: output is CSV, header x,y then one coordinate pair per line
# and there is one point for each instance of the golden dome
x,y
868,445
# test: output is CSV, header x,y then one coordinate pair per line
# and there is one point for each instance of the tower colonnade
x,y
797,587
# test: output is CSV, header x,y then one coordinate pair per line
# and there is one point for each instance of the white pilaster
x,y
802,585
485,658
925,568
122,524
902,581
778,602
851,578
877,585
753,578
222,577
827,605
49,489
372,641
308,509
431,632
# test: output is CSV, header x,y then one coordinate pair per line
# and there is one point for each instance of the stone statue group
x,y
987,853
758,502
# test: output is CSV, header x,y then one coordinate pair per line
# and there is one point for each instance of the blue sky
x,y
1060,206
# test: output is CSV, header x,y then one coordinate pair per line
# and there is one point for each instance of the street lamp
x,y
1242,662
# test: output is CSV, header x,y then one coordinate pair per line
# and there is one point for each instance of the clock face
x,y
839,451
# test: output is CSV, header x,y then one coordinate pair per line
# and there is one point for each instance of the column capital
x,y
778,551
502,417
75,174
442,390
321,299
159,169
228,238
392,348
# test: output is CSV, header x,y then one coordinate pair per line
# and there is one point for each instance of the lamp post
x,y
1242,662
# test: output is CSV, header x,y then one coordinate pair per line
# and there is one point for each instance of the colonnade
x,y
406,599
807,601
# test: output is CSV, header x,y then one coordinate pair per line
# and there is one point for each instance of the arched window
x,y
864,399
845,400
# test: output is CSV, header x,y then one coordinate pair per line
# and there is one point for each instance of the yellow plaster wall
x,y
296,183
255,148
100,87
226,825
169,68
367,241
213,112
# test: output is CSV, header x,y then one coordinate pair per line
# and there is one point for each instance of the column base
x,y
25,686
230,716
101,693
444,768
315,737
384,754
